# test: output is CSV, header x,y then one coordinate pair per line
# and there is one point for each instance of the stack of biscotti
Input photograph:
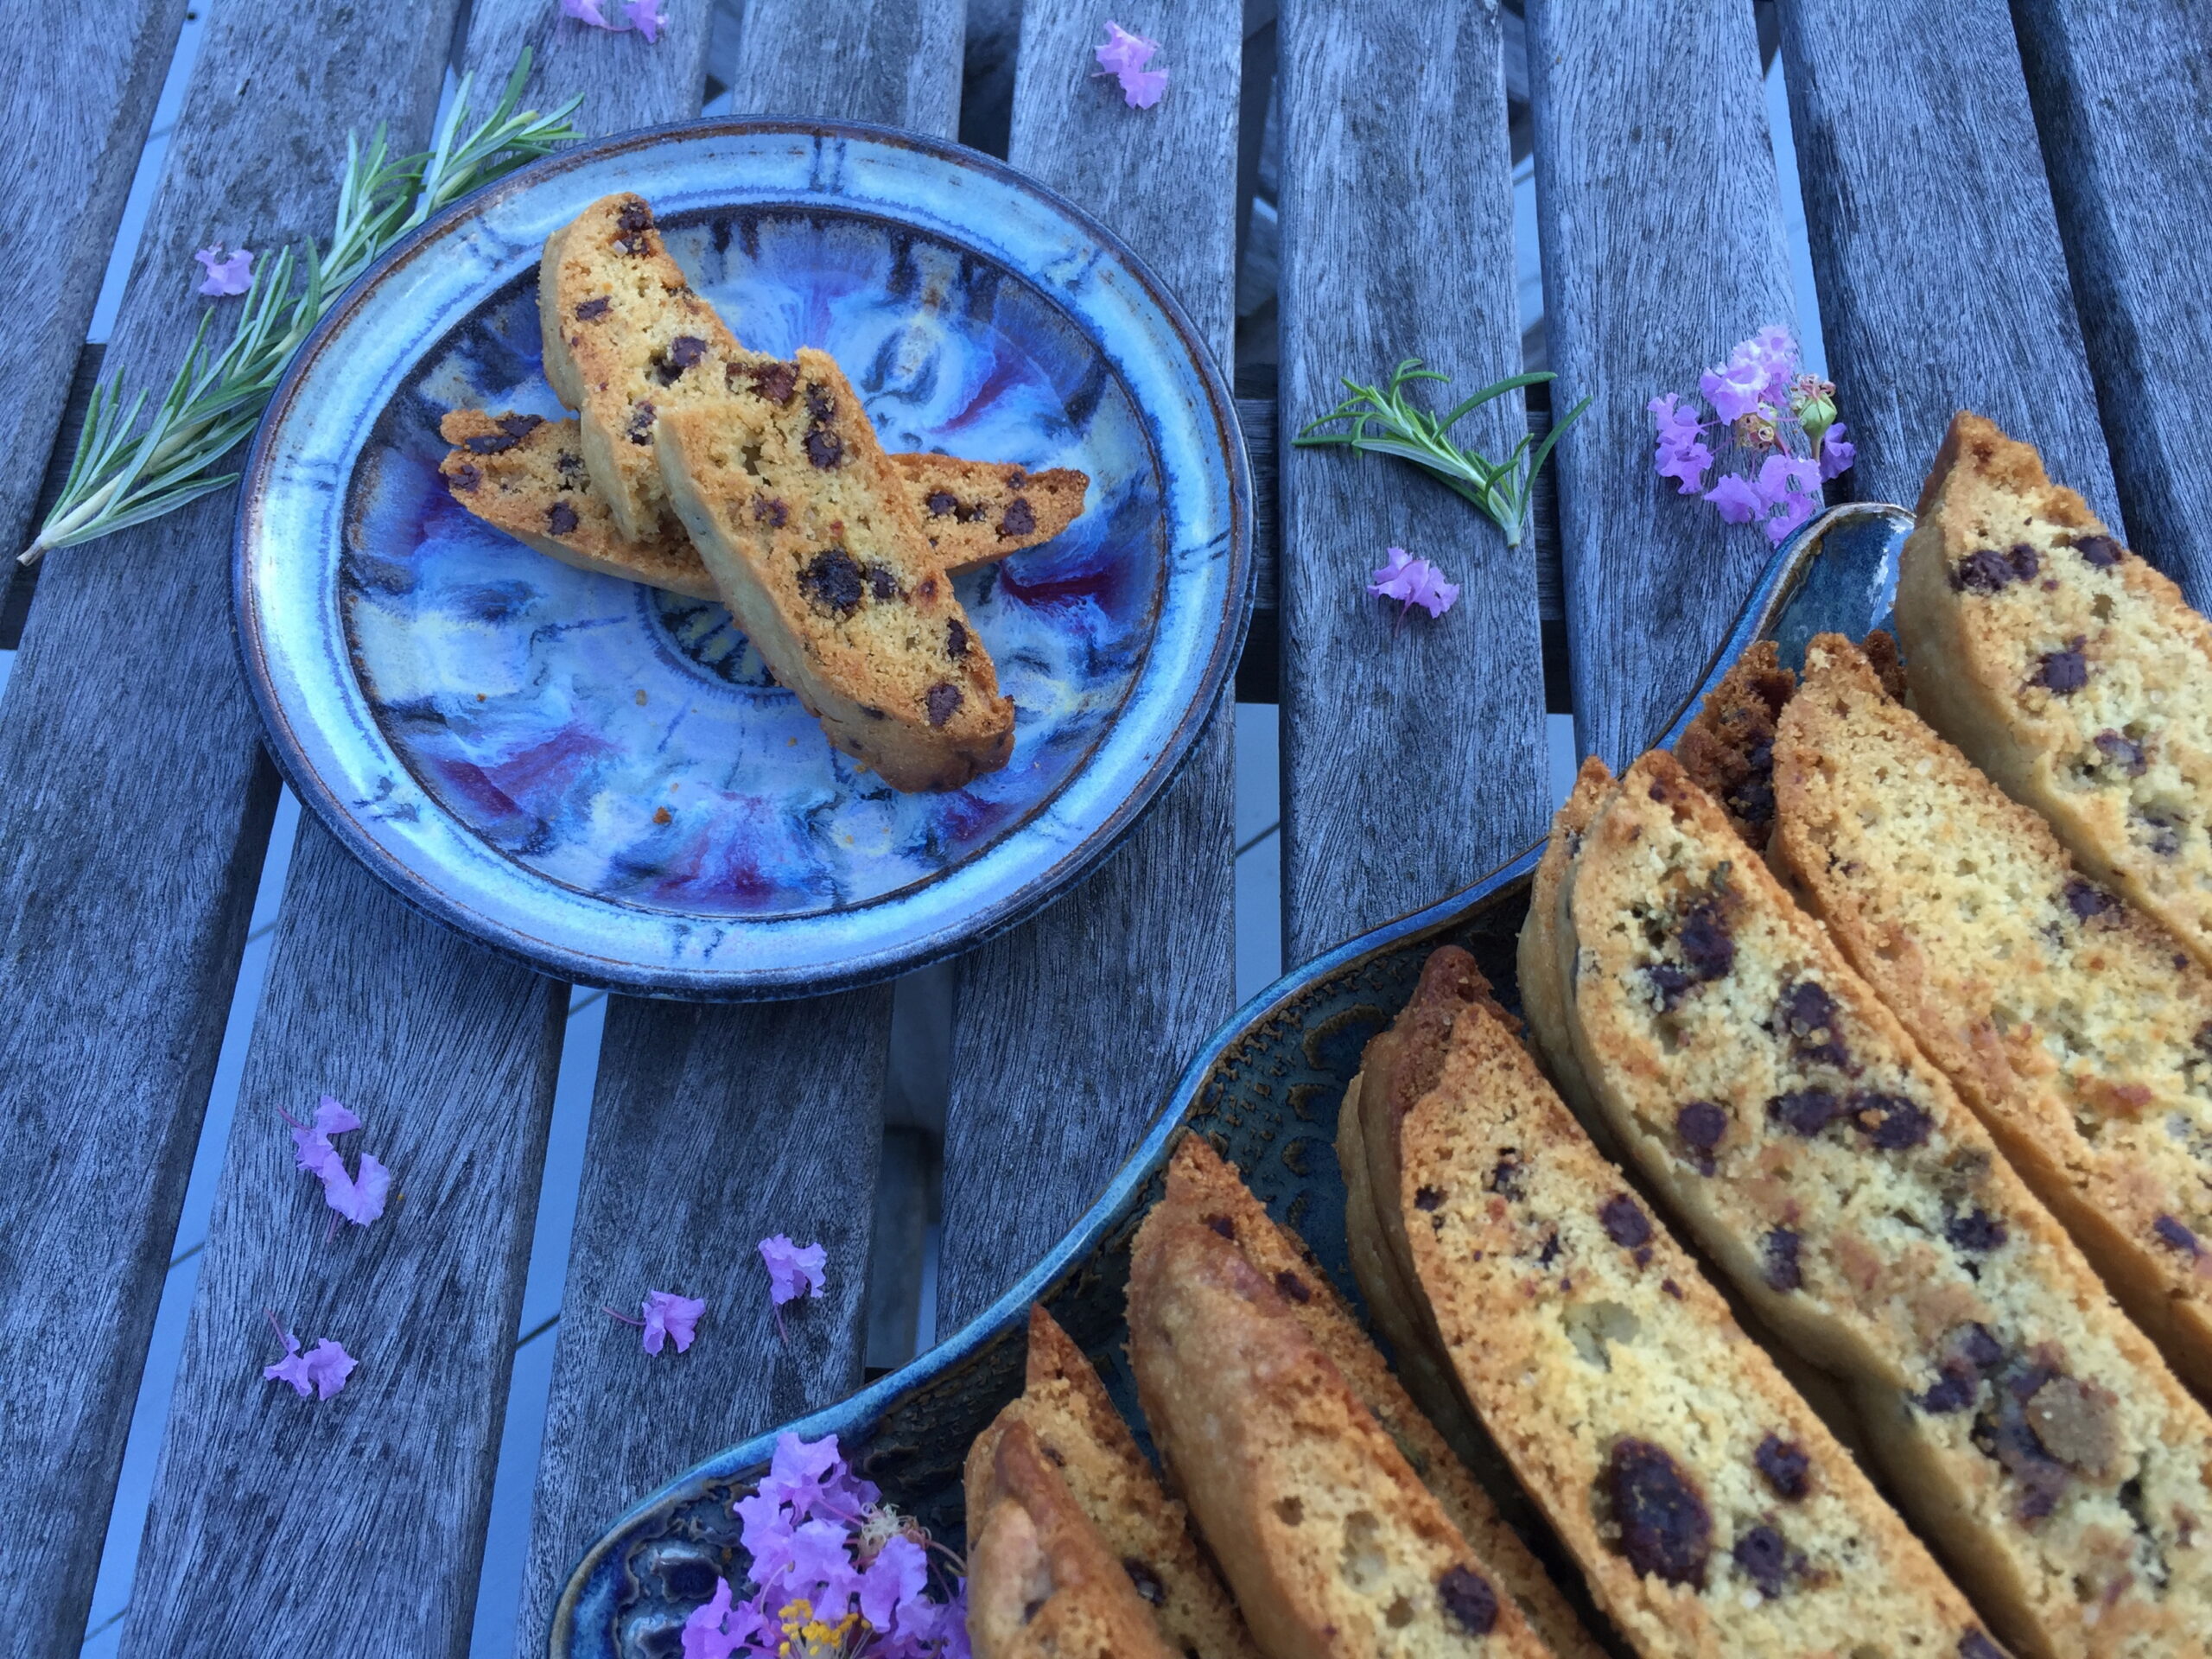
x,y
1065,1406
1707,1503
2067,668
1789,1121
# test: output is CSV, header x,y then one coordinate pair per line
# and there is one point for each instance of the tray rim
x,y
1044,888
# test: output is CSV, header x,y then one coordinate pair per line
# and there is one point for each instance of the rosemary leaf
x,y
124,474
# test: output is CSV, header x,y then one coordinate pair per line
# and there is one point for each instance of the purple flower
x,y
718,1630
231,275
1682,452
1734,390
1734,500
586,11
1836,455
792,1271
358,1198
1789,491
647,17
321,1371
801,1473
1413,581
899,1573
670,1315
1124,56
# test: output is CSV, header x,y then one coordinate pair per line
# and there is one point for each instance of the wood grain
x,y
1942,283
1069,1030
446,1053
712,1128
1662,237
2123,101
134,803
1412,753
80,90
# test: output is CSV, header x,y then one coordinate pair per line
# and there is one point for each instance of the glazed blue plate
x,y
603,779
1264,1090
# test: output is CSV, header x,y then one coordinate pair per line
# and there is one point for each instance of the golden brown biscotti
x,y
2073,1025
1330,1540
1710,1508
2067,668
527,476
1728,747
1041,1582
815,546
1538,969
1065,1405
974,512
1832,1174
1200,1184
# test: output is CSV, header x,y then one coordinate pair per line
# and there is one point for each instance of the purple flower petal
x,y
1140,88
231,275
1124,51
647,17
321,1371
1413,581
1836,455
720,1631
1733,390
359,1200
899,1573
1734,500
670,1315
587,11
794,1271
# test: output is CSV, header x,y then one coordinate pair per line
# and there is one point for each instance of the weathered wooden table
x,y
2006,209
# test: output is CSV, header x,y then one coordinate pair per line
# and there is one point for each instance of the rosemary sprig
x,y
1385,421
123,475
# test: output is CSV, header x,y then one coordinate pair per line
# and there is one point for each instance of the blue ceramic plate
x,y
1264,1090
601,779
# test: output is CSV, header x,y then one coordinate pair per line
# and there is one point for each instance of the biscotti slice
x,y
1858,1205
1728,747
1710,1508
1065,1405
974,511
1200,1184
527,476
1540,972
1328,1538
1041,1581
2067,1019
2067,668
815,546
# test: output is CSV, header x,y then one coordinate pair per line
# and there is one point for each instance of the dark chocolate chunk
x,y
1707,944
467,476
1427,1198
2085,899
634,217
1549,1254
1668,981
882,583
641,423
592,310
1701,1124
820,405
2123,752
685,350
2062,672
520,426
1804,1111
1954,1390
1019,518
1985,571
832,580
2164,839
1786,1466
1292,1286
1671,1288
1974,1645
1783,1270
956,640
775,381
570,465
1625,1224
1466,1595
1808,1013
1762,1555
1147,1582
513,428
1665,1528
942,699
940,502
1504,1177
2101,551
2172,1232
2023,561
1977,1231
1222,1225
1977,1346
1890,1121
767,509
824,448
560,519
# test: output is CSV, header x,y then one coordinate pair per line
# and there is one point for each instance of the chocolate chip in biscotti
x,y
640,429
1986,570
940,503
832,580
883,584
1504,1177
1805,1111
1147,1582
2122,751
1019,519
1977,1232
1292,1286
773,381
2174,1236
561,519
570,465
1428,1199
767,509
1467,1597
1787,1468
1780,1249
2101,551
1222,1225
2063,672
683,351
2086,899
1665,1528
1891,1122
824,449
592,310
635,217
956,640
942,700
1763,1556
513,428
1701,1124
1808,1013
1625,1222
467,477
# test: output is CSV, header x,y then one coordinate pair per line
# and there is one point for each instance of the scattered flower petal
x,y
358,1198
233,275
1140,88
670,1315
1734,499
1413,581
1124,56
321,1370
647,17
794,1271
587,11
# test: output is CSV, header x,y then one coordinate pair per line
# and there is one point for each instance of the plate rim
x,y
1055,881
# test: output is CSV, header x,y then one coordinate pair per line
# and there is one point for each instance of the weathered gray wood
x,y
1942,283
134,803
1413,754
2123,102
712,1128
16,597
447,1055
1648,277
1068,1030
626,82
79,95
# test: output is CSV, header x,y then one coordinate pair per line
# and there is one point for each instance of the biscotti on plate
x,y
2067,668
1710,1508
1200,1184
1789,1120
974,511
2070,1022
527,477
1041,1581
814,543
1066,1407
1330,1540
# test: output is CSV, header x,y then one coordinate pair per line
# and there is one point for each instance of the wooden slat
x,y
134,803
81,89
2124,104
1942,283
712,1128
448,1054
1069,1030
1413,754
16,602
1648,278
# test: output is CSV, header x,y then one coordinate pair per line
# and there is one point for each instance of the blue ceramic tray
x,y
603,779
1264,1090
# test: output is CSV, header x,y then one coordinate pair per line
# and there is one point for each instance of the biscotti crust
x,y
1861,1208
2067,668
974,513
1607,1365
814,544
1331,1541
2072,1023
1541,972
